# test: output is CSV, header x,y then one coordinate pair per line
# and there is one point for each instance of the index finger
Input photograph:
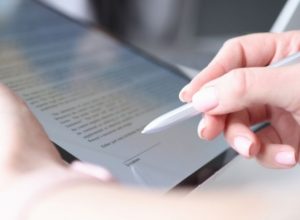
x,y
246,51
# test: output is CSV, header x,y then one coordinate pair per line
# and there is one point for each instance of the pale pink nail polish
x,y
201,128
206,99
285,158
183,93
92,170
242,145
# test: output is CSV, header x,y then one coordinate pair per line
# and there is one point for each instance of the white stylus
x,y
188,111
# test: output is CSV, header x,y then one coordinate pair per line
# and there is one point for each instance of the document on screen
x,y
93,96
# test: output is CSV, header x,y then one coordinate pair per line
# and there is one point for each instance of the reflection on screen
x,y
94,96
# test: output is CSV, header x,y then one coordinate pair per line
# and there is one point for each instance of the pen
x,y
187,111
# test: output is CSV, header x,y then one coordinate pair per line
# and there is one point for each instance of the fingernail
x,y
183,93
92,170
286,158
242,145
206,99
201,128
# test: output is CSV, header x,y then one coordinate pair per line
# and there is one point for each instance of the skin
x,y
26,152
248,93
26,149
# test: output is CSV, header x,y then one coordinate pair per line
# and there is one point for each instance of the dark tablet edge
x,y
206,171
210,168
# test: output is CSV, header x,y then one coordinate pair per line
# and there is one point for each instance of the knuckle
x,y
240,82
294,42
233,42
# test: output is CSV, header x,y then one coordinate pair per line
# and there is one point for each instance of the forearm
x,y
93,201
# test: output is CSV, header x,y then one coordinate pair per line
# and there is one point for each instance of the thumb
x,y
245,87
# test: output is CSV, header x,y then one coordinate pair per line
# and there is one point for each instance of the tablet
x,y
93,94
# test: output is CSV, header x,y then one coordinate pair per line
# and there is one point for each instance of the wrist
x,y
26,191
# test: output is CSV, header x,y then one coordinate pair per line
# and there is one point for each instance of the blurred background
x,y
184,32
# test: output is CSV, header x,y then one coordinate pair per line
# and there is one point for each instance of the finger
x,y
252,50
237,52
246,87
92,170
240,136
286,127
273,153
24,143
211,126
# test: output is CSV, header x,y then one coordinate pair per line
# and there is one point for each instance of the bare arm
x,y
90,201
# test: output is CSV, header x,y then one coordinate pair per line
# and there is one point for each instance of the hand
x,y
25,146
26,150
236,91
29,162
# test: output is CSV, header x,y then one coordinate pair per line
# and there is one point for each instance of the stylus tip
x,y
144,131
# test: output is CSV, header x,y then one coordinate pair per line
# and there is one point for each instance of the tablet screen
x,y
94,95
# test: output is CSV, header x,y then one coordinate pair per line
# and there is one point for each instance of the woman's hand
x,y
25,147
30,165
26,153
236,91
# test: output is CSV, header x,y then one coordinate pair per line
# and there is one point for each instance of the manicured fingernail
x,y
183,93
286,158
201,128
242,145
206,99
92,170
